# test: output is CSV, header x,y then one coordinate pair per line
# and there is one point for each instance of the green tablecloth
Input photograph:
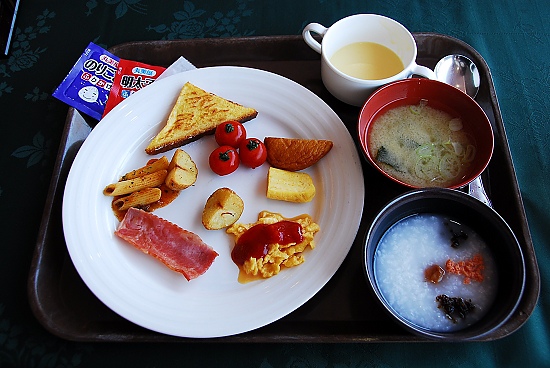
x,y
512,36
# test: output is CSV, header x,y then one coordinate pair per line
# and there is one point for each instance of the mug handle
x,y
315,28
423,71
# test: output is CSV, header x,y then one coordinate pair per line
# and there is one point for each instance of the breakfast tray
x,y
344,310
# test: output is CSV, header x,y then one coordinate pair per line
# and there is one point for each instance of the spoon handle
x,y
477,190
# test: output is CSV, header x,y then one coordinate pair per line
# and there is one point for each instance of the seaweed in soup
x,y
386,157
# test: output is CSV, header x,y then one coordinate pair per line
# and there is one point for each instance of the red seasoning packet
x,y
131,76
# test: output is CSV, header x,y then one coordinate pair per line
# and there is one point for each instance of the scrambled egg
x,y
278,256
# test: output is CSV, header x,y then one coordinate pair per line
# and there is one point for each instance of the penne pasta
x,y
154,179
138,199
160,164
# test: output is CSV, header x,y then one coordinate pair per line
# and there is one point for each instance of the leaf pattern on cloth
x,y
188,24
5,88
36,95
23,56
34,153
122,7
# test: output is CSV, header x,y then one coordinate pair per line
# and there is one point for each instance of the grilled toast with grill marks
x,y
195,114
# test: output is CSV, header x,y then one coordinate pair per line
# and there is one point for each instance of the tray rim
x,y
44,316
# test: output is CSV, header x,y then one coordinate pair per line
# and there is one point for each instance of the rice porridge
x,y
427,264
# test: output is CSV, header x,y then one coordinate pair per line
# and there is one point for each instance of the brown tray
x,y
345,309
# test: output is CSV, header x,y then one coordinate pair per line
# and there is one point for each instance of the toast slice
x,y
195,114
294,154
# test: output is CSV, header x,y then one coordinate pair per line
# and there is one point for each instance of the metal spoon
x,y
461,72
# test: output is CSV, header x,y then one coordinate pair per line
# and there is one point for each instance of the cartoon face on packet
x,y
87,86
89,94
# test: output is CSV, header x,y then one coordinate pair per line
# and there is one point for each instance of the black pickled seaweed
x,y
386,157
454,306
456,237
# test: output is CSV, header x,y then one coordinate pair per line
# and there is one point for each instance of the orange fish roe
x,y
471,269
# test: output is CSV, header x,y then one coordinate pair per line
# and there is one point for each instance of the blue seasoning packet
x,y
87,86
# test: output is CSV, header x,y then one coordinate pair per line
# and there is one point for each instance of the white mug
x,y
362,28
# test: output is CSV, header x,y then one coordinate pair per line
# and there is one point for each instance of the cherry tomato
x,y
230,133
252,152
224,160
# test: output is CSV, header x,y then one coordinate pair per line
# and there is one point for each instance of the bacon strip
x,y
179,249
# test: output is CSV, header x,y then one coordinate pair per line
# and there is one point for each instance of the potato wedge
x,y
182,171
223,208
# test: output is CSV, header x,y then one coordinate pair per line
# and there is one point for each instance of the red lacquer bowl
x,y
437,95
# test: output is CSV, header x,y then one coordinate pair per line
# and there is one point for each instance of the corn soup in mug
x,y
367,60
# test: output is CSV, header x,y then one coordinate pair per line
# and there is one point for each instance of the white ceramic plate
x,y
143,290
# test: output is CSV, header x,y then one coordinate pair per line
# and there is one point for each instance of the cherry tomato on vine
x,y
230,133
252,152
224,160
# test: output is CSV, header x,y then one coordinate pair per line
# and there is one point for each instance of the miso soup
x,y
422,146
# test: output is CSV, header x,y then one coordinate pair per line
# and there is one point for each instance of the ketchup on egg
x,y
255,241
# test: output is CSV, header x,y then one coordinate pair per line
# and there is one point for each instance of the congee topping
x,y
456,236
454,307
471,269
434,274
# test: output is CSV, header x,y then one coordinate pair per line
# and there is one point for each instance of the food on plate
x,y
182,171
132,185
139,198
263,248
237,149
289,186
195,114
294,154
423,275
180,250
422,146
154,185
154,165
252,152
224,160
230,133
222,209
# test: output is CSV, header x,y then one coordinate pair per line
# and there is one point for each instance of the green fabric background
x,y
512,36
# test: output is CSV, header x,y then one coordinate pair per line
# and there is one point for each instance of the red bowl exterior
x,y
440,96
